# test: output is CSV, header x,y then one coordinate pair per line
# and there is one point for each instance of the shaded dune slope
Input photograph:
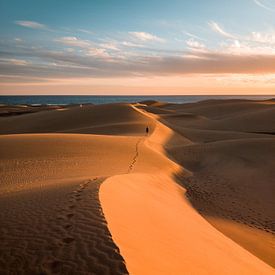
x,y
112,119
232,182
62,158
57,230
51,218
153,223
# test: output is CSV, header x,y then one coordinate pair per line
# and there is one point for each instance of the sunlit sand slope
x,y
232,161
51,218
84,190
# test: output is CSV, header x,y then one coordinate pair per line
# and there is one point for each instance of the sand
x,y
233,177
84,190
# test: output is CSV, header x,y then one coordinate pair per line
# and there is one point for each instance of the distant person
x,y
147,130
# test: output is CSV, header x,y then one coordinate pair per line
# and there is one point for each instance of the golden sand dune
x,y
118,119
158,232
57,230
220,109
233,171
11,110
53,164
233,115
258,121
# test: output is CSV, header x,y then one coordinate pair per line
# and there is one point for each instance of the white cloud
x,y
245,48
74,42
145,36
19,40
218,29
13,61
262,37
251,39
264,4
85,31
98,52
131,44
110,46
195,45
31,25
193,35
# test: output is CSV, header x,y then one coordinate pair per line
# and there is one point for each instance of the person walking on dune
x,y
147,130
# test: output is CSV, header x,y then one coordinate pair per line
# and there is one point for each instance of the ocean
x,y
66,100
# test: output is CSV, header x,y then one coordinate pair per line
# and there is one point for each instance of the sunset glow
x,y
145,47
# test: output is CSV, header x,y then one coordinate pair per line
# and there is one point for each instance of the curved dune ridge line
x,y
51,218
60,169
233,181
159,232
58,230
108,119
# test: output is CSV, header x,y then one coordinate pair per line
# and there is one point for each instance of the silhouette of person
x,y
147,130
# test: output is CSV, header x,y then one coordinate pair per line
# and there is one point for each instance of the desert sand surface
x,y
12,110
84,190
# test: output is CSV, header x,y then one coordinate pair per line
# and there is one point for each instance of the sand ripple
x,y
68,233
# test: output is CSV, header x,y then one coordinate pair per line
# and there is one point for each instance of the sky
x,y
137,47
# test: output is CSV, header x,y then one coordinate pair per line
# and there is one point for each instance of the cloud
x,y
264,4
86,31
110,46
145,36
218,29
193,36
244,48
89,48
18,40
131,44
31,25
265,38
98,52
195,45
75,57
74,42
13,61
96,63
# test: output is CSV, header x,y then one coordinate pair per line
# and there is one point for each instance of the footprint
x,y
70,215
55,265
68,240
67,226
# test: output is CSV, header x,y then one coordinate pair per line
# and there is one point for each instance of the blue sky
x,y
114,45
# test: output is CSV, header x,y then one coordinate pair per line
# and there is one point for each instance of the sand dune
x,y
11,110
154,240
99,119
51,218
59,156
233,171
258,121
58,230
220,109
61,168
253,117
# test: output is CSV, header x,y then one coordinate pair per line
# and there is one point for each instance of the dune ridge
x,y
76,239
129,209
84,189
220,160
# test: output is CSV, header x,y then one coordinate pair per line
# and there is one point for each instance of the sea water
x,y
68,99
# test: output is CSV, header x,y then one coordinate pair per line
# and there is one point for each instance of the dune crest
x,y
86,189
147,215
